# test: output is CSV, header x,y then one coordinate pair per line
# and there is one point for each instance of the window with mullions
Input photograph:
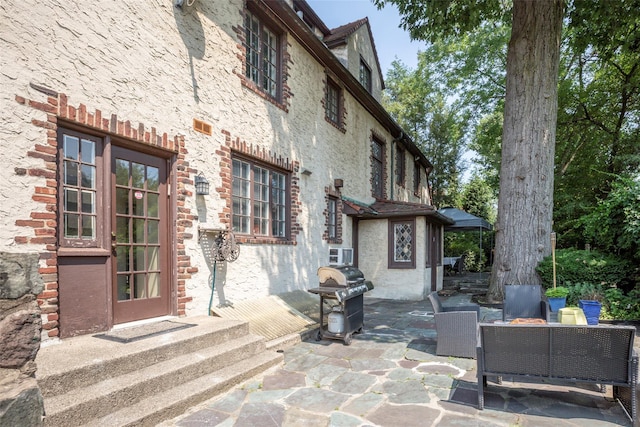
x,y
365,75
79,189
332,218
402,239
260,201
400,166
261,46
377,169
332,103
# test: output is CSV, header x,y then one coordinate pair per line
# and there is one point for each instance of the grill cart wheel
x,y
347,339
319,336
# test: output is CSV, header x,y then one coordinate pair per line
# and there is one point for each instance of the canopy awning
x,y
464,221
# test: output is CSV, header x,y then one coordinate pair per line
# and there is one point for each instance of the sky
x,y
391,41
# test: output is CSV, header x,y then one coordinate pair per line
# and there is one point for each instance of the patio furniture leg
x,y
482,379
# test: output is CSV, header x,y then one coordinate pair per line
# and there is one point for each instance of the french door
x,y
139,237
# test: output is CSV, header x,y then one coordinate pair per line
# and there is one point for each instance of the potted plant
x,y
557,297
589,300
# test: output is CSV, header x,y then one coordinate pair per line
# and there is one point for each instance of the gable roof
x,y
338,37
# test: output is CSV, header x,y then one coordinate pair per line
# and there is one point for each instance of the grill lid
x,y
345,275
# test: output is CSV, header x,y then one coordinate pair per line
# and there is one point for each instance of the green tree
x,y
614,225
599,109
478,199
530,112
418,105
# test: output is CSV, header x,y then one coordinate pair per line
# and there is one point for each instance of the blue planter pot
x,y
591,310
556,304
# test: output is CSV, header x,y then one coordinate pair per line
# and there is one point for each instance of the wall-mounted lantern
x,y
338,183
202,185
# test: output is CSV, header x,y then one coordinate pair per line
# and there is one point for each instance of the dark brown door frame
x,y
136,255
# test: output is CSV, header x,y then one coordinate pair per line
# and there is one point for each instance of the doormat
x,y
136,333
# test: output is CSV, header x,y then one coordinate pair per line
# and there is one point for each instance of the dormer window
x,y
365,75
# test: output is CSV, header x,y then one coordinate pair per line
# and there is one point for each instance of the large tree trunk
x,y
528,144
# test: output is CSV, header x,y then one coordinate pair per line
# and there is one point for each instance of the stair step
x,y
98,399
177,400
94,359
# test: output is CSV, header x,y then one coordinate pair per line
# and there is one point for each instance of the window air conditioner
x,y
340,256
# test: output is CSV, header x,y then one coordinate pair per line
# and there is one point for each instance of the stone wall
x,y
21,402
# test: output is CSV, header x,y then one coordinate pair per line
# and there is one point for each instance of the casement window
x,y
332,218
365,75
332,103
260,197
262,55
416,179
80,189
402,237
400,166
377,169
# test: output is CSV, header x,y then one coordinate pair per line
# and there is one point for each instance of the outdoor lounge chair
x,y
456,327
524,302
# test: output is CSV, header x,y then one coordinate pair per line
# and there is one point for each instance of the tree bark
x,y
525,203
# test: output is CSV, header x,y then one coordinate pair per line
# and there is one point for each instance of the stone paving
x,y
390,376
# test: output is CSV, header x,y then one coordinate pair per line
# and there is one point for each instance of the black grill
x,y
341,290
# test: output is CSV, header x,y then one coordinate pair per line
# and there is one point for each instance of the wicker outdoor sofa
x,y
599,354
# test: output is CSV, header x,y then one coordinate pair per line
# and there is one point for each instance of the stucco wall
x,y
151,63
404,284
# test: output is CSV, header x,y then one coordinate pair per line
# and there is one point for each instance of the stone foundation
x,y
21,402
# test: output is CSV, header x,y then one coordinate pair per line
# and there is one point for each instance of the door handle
x,y
114,242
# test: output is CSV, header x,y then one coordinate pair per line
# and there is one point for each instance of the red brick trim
x,y
268,157
43,223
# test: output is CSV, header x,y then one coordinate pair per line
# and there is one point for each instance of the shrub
x,y
580,266
587,291
619,306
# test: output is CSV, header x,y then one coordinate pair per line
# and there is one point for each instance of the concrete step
x,y
177,400
80,405
110,383
80,361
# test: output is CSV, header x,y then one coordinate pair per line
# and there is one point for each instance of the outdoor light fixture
x,y
338,183
202,185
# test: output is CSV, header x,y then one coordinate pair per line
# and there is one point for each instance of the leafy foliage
x,y
585,291
466,243
620,306
557,292
581,266
478,199
614,225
